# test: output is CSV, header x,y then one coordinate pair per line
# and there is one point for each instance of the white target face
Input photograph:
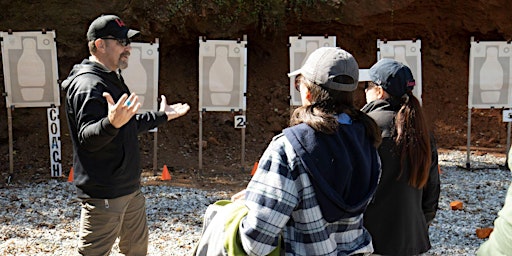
x,y
406,52
141,76
30,69
300,48
222,75
489,75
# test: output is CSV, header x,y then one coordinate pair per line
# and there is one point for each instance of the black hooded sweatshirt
x,y
106,159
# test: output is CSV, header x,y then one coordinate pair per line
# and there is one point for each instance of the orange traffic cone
x,y
254,168
165,174
70,177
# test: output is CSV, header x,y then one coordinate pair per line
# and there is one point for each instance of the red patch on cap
x,y
119,22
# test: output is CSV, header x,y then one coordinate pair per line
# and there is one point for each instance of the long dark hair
x,y
325,104
413,140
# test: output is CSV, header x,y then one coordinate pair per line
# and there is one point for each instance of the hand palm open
x,y
175,110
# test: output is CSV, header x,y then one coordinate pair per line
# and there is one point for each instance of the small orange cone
x,y
165,174
70,177
254,168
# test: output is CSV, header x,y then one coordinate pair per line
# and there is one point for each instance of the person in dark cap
x,y
104,124
408,193
315,179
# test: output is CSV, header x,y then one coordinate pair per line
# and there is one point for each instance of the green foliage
x,y
227,15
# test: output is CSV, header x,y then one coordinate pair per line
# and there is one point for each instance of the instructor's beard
x,y
122,63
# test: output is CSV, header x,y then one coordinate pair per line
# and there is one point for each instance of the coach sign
x,y
54,142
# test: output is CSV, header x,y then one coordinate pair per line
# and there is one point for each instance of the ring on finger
x,y
128,103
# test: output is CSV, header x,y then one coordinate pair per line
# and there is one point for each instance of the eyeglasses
x,y
121,41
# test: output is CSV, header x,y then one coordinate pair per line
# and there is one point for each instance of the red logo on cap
x,y
120,22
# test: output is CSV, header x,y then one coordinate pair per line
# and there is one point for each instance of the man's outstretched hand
x,y
175,110
120,112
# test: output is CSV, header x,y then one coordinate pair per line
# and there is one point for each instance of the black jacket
x,y
399,215
106,160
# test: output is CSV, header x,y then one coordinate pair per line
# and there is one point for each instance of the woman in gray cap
x,y
408,192
314,180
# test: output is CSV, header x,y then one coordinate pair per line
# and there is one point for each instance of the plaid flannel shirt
x,y
282,203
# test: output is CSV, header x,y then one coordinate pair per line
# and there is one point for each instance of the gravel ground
x,y
42,219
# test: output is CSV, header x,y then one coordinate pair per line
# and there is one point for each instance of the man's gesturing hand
x,y
120,112
175,110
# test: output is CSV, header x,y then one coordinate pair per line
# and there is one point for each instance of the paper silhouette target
x,y
222,75
30,69
300,48
489,75
406,52
141,76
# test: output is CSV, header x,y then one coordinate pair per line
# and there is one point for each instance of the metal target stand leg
x,y
468,164
507,117
242,157
155,149
11,151
200,145
508,145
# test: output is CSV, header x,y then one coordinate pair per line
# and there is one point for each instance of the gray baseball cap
x,y
330,67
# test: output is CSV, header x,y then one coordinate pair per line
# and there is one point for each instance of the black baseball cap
x,y
109,25
393,76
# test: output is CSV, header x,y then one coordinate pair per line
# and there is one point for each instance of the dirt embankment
x,y
444,27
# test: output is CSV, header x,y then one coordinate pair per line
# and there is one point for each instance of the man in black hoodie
x,y
104,124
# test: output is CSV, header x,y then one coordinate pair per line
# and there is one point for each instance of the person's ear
x,y
100,44
381,94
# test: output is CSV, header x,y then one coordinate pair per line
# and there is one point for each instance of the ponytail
x,y
413,140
